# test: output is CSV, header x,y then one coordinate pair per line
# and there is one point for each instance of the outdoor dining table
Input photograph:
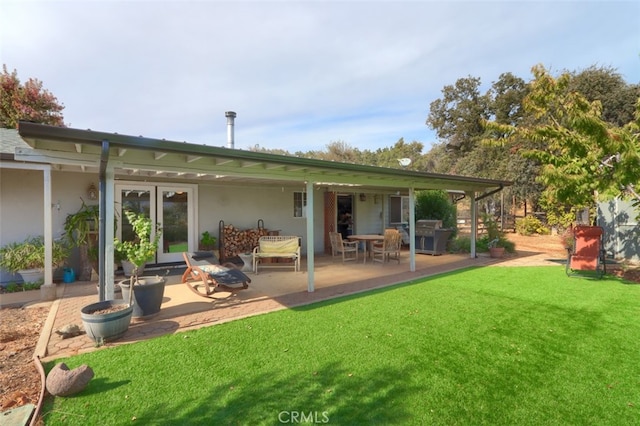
x,y
368,239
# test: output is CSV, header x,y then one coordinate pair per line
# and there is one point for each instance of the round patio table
x,y
368,240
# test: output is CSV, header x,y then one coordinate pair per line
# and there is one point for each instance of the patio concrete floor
x,y
270,290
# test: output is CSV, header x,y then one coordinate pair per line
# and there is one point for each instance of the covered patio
x,y
113,156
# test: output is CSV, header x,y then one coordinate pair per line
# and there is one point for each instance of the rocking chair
x,y
204,275
587,253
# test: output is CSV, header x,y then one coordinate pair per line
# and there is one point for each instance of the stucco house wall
x,y
22,210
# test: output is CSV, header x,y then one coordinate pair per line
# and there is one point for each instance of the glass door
x,y
173,207
175,213
140,198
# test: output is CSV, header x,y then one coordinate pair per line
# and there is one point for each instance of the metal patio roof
x,y
137,157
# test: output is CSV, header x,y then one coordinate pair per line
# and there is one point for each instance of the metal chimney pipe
x,y
230,119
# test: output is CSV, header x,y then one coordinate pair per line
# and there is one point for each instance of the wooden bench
x,y
277,247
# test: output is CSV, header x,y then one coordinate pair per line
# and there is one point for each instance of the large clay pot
x,y
496,252
148,293
106,327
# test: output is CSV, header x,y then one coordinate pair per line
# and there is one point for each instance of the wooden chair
x,y
587,253
389,248
347,249
204,274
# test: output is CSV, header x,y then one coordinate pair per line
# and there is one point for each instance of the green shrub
x,y
436,205
29,254
483,243
460,244
531,225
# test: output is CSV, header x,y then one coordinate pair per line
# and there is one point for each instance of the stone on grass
x,y
64,382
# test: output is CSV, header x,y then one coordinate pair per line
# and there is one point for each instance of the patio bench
x,y
277,247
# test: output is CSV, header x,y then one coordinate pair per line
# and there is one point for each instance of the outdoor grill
x,y
426,228
431,238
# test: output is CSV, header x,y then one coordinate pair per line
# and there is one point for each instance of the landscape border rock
x,y
64,382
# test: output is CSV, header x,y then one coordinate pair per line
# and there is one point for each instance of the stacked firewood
x,y
237,240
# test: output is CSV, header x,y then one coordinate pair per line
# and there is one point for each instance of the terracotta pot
x,y
496,252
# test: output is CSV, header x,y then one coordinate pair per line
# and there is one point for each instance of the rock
x,y
70,330
64,382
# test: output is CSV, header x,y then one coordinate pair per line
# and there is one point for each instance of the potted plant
x,y
495,250
81,230
148,291
497,242
207,242
27,257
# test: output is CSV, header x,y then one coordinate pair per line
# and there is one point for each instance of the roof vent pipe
x,y
230,119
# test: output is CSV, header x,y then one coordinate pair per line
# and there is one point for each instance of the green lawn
x,y
493,345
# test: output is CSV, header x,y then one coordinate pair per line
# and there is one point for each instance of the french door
x,y
170,206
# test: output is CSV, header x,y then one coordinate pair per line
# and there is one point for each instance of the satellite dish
x,y
404,162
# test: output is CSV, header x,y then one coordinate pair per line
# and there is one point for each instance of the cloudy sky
x,y
299,74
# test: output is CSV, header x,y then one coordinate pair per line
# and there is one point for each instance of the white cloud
x,y
299,74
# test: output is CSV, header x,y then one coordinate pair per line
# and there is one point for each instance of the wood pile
x,y
235,240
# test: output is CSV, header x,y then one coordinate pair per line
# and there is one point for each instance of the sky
x,y
299,74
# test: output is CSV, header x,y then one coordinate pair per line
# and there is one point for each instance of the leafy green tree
x,y
582,154
388,157
457,117
606,85
28,101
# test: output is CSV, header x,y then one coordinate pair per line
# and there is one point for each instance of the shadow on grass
x,y
101,384
330,395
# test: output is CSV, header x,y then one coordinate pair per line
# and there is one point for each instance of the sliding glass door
x,y
170,206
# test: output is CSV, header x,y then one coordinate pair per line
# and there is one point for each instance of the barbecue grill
x,y
431,238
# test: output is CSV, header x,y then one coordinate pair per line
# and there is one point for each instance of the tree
x,y
388,157
458,116
28,102
582,154
606,85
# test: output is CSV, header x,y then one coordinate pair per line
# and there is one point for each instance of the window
x,y
398,209
299,204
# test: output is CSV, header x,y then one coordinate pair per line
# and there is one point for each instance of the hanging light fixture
x,y
92,192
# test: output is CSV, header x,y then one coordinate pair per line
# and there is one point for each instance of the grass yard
x,y
493,345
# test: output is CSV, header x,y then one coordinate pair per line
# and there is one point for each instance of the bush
x,y
495,236
531,225
436,205
460,244
29,254
483,243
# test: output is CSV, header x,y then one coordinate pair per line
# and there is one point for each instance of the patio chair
x,y
587,253
347,249
389,248
204,274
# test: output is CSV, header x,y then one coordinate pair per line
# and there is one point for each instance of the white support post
x,y
48,289
474,222
412,230
310,239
